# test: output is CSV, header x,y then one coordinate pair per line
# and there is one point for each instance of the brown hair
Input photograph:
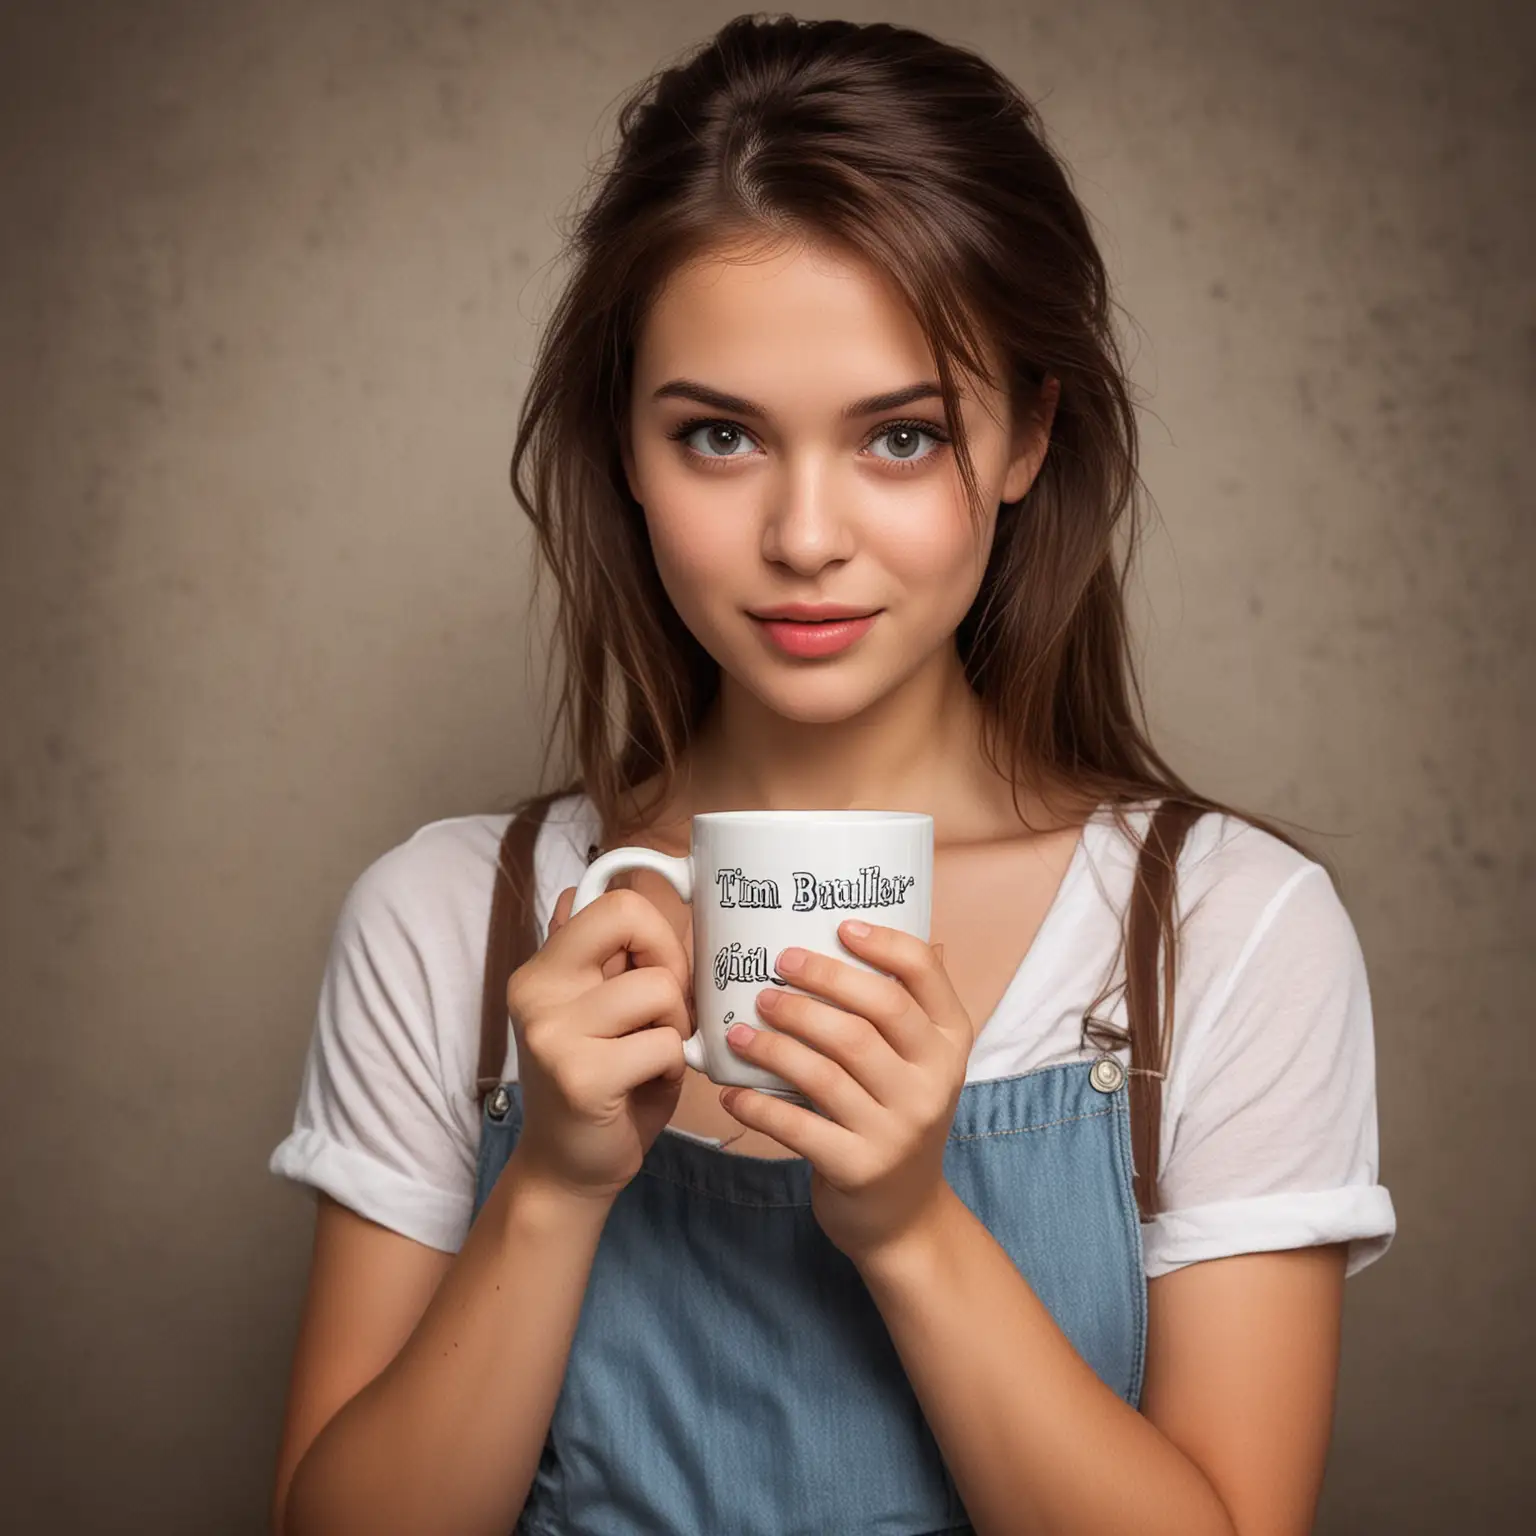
x,y
924,160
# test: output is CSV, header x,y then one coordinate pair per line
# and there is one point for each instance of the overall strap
x,y
513,936
1149,1019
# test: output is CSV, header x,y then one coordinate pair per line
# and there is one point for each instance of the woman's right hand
x,y
598,1083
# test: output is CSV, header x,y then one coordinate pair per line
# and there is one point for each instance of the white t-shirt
x,y
1269,1135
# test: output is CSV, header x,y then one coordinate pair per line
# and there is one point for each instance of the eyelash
x,y
686,429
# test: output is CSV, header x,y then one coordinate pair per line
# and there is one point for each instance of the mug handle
x,y
678,872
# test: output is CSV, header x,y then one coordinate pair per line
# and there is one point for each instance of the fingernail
x,y
856,928
790,960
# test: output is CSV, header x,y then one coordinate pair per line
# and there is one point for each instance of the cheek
x,y
933,547
677,512
699,550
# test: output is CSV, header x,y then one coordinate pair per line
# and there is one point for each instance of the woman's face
x,y
770,473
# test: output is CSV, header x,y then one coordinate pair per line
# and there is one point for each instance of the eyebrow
x,y
689,389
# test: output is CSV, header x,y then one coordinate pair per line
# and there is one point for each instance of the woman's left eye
x,y
905,439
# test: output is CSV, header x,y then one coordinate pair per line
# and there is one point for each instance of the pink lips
x,y
796,638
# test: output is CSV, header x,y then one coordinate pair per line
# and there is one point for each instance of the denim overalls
x,y
730,1375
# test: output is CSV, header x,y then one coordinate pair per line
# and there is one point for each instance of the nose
x,y
804,528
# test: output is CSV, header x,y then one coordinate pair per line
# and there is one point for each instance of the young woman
x,y
831,454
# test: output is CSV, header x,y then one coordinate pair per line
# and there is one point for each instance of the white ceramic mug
x,y
759,881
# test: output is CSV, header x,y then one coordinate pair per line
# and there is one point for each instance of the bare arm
x,y
424,1383
1236,1406
1242,1364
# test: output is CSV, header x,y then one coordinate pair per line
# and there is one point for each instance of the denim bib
x,y
730,1374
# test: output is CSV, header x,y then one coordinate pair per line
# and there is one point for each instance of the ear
x,y
1031,438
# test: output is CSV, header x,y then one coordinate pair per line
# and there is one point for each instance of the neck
x,y
918,748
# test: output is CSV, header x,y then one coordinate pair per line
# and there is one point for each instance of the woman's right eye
x,y
712,439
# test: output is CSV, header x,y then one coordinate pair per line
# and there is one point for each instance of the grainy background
x,y
270,280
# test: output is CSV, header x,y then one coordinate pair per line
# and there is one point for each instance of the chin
x,y
819,711
812,695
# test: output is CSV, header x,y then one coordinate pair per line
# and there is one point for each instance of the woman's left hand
x,y
884,1059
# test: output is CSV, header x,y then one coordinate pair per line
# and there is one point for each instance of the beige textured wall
x,y
269,282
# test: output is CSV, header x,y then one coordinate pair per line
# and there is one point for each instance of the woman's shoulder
x,y
441,875
1246,903
1224,858
422,888
419,914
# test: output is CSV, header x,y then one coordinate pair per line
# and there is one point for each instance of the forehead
x,y
779,310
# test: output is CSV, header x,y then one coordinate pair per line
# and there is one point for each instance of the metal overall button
x,y
501,1102
1106,1074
